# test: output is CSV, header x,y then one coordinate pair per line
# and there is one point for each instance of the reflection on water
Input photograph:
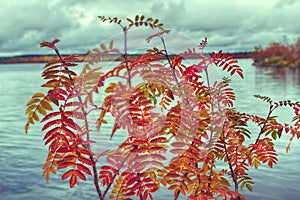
x,y
21,156
283,79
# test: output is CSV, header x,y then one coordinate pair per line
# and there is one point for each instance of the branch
x,y
96,181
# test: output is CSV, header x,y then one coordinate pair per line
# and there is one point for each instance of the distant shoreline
x,y
81,58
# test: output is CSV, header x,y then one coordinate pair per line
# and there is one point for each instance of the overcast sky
x,y
234,25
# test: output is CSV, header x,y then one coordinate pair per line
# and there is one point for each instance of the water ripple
x,y
22,156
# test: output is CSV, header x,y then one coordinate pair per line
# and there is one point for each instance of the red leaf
x,y
55,96
69,157
286,129
198,141
50,132
83,168
106,168
68,132
64,150
73,180
219,54
62,165
178,144
67,174
77,115
74,104
159,140
69,122
213,54
132,180
224,56
80,175
116,127
63,138
155,149
136,186
157,157
86,152
151,185
62,91
85,160
51,138
49,44
51,123
240,73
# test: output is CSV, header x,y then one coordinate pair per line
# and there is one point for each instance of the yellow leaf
x,y
30,108
32,101
46,105
112,196
172,187
114,190
103,46
287,149
34,116
181,190
26,127
111,44
30,120
249,187
52,170
41,110
96,49
49,85
256,163
224,182
46,165
38,94
104,121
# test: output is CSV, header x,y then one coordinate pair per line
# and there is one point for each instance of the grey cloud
x,y
27,24
283,3
235,25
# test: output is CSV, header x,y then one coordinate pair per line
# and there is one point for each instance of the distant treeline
x,y
81,58
278,55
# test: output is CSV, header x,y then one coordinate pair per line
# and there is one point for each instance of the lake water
x,y
22,156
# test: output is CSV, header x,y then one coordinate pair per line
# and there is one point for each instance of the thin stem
x,y
96,181
110,184
233,175
125,30
79,98
173,68
264,125
211,104
169,61
106,190
177,195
